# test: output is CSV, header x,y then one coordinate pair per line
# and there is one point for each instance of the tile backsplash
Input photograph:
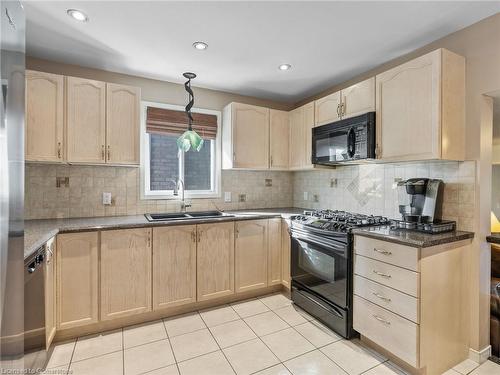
x,y
368,189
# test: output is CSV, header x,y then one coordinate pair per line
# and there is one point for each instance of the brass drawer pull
x,y
386,275
382,320
381,297
384,252
109,152
59,152
102,152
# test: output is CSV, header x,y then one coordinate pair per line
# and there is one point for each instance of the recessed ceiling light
x,y
77,15
200,45
285,67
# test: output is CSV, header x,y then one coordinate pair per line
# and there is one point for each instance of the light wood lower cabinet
x,y
50,292
251,244
215,260
286,255
274,252
77,279
125,272
174,266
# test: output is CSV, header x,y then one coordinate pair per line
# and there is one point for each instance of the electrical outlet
x,y
269,182
227,197
396,181
62,182
106,199
333,182
316,198
306,195
242,197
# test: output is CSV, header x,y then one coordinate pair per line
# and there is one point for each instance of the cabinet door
x,y
274,252
125,272
215,260
279,138
174,266
50,293
297,147
285,248
44,117
86,120
122,124
407,102
308,126
77,279
250,136
327,109
251,255
359,98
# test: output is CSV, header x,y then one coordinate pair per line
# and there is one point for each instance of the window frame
x,y
216,160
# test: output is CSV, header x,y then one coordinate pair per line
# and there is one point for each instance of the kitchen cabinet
x,y
285,254
77,279
50,293
44,117
421,109
122,124
251,253
279,129
245,132
174,266
358,99
327,109
274,252
215,260
301,124
86,120
125,272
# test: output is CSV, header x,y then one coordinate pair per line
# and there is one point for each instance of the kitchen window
x,y
161,162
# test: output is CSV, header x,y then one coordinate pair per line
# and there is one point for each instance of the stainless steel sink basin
x,y
186,215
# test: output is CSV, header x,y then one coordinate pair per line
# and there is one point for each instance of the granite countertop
x,y
493,238
412,238
38,232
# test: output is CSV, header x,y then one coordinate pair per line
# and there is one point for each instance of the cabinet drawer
x,y
390,299
392,253
397,278
392,332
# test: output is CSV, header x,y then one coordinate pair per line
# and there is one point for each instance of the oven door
x,y
321,265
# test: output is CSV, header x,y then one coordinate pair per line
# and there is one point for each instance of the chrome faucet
x,y
180,182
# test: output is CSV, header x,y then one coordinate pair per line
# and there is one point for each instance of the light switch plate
x,y
306,195
242,198
268,182
227,196
106,198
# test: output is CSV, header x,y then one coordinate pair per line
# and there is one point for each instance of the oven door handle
x,y
310,298
331,246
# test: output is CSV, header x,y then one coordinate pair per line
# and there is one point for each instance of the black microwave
x,y
348,140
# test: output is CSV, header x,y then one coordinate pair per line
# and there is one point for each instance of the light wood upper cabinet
x,y
274,252
174,266
301,124
125,272
215,260
122,124
77,279
308,125
327,109
251,255
50,292
86,120
279,139
286,256
420,108
245,137
358,99
44,117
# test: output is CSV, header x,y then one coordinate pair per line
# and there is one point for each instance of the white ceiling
x,y
326,42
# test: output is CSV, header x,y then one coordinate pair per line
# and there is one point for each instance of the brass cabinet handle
x,y
193,236
383,252
149,239
102,152
381,297
338,110
109,152
59,153
342,107
382,320
386,275
271,161
199,235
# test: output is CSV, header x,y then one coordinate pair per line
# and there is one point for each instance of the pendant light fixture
x,y
190,139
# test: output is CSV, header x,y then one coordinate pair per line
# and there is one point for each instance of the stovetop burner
x,y
338,221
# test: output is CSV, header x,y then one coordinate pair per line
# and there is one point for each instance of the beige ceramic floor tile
x,y
218,315
148,357
193,344
108,364
95,345
290,315
250,356
232,333
169,370
451,372
317,333
352,356
248,308
276,301
266,323
209,364
287,344
385,369
61,355
181,324
313,363
143,334
466,366
487,368
275,370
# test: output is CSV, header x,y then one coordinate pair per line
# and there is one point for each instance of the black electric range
x,y
322,264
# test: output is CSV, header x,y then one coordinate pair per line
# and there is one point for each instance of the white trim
x,y
480,356
144,159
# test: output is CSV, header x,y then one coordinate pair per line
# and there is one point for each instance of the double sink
x,y
186,216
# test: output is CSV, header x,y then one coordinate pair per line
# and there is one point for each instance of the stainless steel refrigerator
x,y
12,186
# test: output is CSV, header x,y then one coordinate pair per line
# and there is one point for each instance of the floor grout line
x,y
171,347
